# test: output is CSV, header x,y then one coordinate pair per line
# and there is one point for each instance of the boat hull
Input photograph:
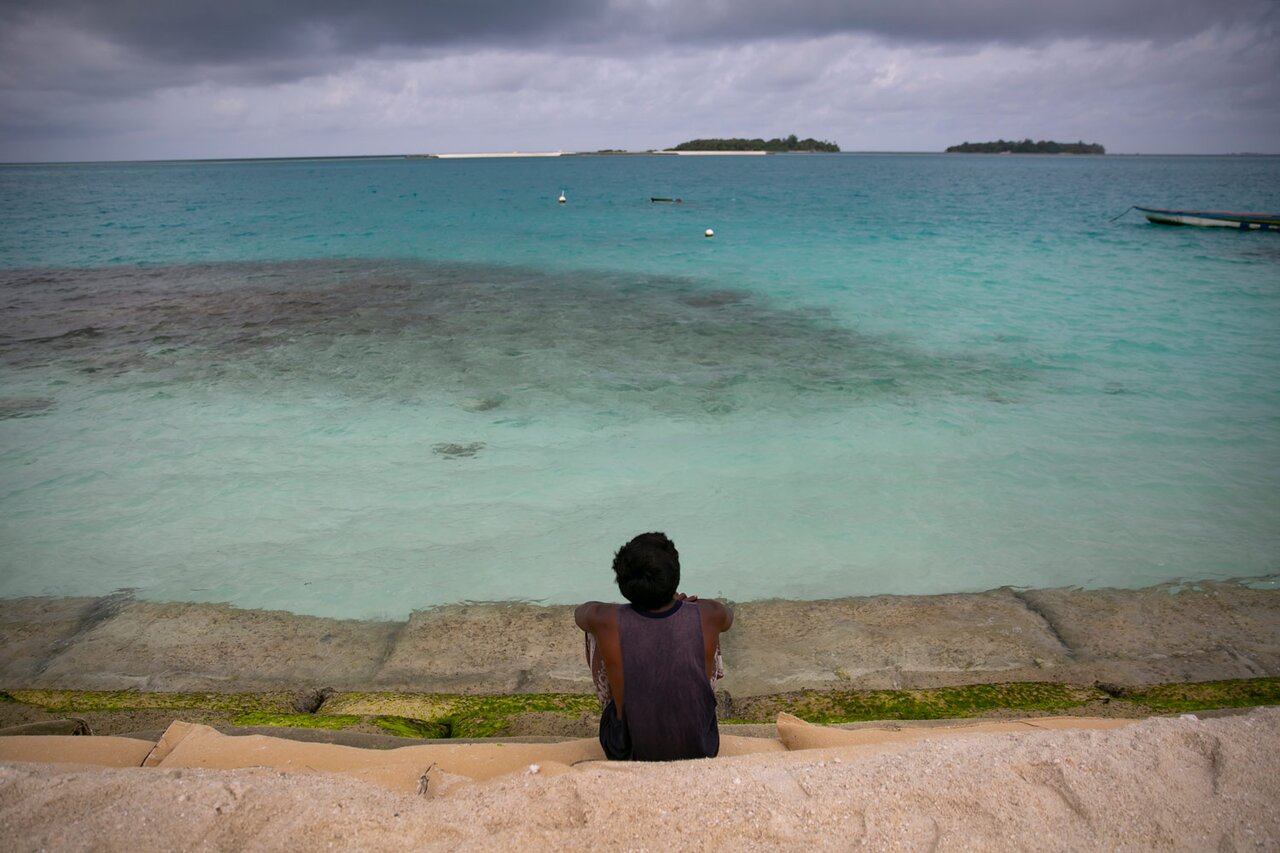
x,y
1211,219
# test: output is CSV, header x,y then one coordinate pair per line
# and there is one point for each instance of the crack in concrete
x,y
1215,766
393,641
1048,621
1244,660
312,701
103,609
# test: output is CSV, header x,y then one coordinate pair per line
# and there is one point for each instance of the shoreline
x,y
1171,633
1005,778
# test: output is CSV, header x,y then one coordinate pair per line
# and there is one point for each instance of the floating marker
x,y
710,233
562,199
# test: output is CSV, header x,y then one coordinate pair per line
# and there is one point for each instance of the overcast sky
x,y
141,79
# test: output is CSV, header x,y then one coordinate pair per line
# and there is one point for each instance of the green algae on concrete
x,y
443,715
133,700
491,716
840,706
333,722
422,706
457,715
404,714
1206,695
407,727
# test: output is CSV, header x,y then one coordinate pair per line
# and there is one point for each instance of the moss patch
x,y
443,715
461,716
838,706
133,700
296,721
420,706
490,716
1205,695
407,727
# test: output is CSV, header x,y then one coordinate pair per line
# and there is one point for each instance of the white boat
x,y
1242,221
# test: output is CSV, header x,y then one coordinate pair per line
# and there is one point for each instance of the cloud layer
x,y
146,78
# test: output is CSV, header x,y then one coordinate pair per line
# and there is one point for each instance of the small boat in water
x,y
1243,221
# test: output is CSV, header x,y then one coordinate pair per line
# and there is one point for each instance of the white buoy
x,y
562,199
710,233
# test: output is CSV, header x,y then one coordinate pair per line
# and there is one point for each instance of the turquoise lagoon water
x,y
360,387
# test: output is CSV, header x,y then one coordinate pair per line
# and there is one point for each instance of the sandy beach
x,y
1173,784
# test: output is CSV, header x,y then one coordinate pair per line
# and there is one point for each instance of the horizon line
x,y
600,153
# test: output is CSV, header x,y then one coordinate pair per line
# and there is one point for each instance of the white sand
x,y
1159,784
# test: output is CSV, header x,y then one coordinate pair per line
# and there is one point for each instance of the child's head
x,y
648,570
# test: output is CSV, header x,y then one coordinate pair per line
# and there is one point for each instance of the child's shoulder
x,y
716,612
595,615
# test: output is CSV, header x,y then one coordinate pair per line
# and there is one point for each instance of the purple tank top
x,y
669,710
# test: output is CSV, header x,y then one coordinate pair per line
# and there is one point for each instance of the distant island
x,y
1026,146
791,143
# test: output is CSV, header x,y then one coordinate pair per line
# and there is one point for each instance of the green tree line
x,y
1026,146
790,143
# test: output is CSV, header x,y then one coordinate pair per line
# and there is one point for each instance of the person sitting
x,y
656,660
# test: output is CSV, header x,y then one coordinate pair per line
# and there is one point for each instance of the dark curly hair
x,y
648,570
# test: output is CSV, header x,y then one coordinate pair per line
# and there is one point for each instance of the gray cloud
x,y
946,21
232,31
226,31
213,76
121,46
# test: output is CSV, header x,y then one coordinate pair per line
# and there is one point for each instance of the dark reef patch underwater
x,y
492,337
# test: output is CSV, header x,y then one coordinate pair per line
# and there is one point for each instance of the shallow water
x,y
356,388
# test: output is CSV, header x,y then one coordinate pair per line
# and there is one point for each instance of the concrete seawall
x,y
1193,632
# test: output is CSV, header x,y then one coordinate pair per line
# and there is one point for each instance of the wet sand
x,y
1194,632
